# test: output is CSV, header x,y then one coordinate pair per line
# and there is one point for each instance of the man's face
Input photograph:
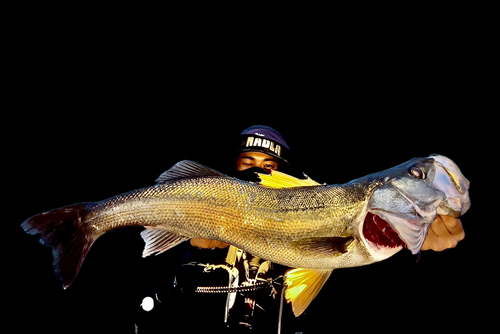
x,y
257,159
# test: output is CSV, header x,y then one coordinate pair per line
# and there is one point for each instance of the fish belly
x,y
277,225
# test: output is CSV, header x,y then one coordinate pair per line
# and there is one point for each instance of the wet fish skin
x,y
317,227
275,224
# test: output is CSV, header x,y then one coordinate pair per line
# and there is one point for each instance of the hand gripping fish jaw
x,y
297,223
401,211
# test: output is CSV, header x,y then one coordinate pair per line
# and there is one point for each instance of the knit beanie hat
x,y
261,138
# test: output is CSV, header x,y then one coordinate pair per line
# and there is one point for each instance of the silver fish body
x,y
317,227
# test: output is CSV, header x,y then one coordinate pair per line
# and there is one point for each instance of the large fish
x,y
297,223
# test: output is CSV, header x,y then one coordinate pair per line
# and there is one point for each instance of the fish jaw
x,y
411,232
449,179
403,214
409,203
386,233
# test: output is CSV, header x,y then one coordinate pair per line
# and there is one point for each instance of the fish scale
x,y
297,223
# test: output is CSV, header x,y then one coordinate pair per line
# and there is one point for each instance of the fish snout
x,y
449,179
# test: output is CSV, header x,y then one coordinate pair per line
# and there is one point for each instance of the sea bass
x,y
297,223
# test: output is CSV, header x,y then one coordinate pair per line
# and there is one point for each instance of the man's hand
x,y
207,243
445,232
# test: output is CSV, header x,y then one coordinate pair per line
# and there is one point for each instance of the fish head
x,y
408,199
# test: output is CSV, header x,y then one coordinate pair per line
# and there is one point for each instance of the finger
x,y
200,242
444,239
221,245
213,244
454,226
207,243
438,237
439,228
425,245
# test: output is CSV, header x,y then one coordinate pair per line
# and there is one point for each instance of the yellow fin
x,y
303,285
231,255
281,180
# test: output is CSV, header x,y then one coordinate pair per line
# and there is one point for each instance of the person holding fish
x,y
255,244
261,149
445,231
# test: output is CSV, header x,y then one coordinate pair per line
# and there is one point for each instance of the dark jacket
x,y
209,293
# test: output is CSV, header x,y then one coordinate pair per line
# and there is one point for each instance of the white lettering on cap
x,y
264,143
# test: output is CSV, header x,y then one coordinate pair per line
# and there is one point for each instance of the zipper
x,y
226,289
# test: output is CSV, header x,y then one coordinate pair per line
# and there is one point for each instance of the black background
x,y
88,124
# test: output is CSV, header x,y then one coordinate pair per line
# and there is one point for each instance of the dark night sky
x,y
84,140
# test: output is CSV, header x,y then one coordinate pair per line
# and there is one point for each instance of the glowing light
x,y
148,304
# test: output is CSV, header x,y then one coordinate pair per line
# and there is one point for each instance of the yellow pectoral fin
x,y
303,285
281,180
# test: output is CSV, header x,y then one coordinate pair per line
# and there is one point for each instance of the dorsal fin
x,y
281,180
185,169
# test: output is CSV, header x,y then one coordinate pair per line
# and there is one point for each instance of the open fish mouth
x,y
380,232
401,212
385,231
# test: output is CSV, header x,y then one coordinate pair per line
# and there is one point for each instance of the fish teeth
x,y
380,232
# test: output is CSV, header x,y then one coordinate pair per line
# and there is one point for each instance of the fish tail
x,y
62,229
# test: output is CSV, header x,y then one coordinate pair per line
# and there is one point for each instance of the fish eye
x,y
416,172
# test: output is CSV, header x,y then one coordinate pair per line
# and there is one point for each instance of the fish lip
x,y
451,181
459,181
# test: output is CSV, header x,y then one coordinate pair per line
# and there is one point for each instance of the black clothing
x,y
253,311
249,297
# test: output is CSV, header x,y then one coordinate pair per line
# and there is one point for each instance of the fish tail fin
x,y
62,229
